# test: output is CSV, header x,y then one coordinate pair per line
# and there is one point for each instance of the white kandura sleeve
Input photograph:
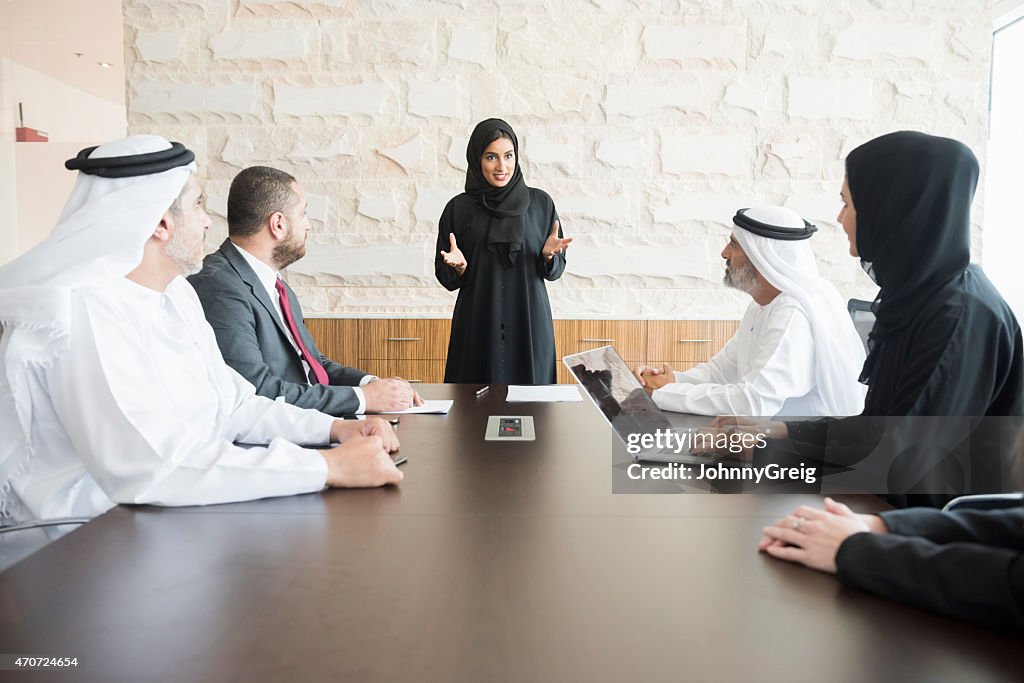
x,y
139,451
254,419
782,368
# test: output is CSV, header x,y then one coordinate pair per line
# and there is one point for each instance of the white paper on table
x,y
555,393
432,407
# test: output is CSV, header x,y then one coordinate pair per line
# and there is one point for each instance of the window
x,y
1003,235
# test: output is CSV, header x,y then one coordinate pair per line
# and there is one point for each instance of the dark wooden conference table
x,y
491,562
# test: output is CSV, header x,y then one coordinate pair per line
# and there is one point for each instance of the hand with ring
x,y
812,537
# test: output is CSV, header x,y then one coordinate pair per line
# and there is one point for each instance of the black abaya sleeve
x,y
553,269
444,273
1003,528
968,580
811,432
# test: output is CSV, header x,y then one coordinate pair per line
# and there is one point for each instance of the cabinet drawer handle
x,y
695,341
598,341
405,339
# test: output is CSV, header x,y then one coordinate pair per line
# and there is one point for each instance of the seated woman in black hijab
x,y
944,343
497,243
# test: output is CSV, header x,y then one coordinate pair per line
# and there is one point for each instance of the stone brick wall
x,y
648,121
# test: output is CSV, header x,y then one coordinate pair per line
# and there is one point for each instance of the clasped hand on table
x,y
361,459
812,537
390,394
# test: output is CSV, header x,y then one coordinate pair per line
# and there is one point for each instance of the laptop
x,y
631,412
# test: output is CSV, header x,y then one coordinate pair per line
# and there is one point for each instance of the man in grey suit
x,y
255,314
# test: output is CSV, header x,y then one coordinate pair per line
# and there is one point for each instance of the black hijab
x,y
912,193
505,205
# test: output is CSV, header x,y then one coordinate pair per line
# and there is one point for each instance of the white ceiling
x,y
44,35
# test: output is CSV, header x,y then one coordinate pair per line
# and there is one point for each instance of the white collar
x,y
267,275
130,287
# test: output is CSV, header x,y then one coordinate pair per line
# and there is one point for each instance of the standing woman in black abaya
x,y
497,243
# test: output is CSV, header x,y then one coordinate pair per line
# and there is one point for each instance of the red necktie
x,y
286,310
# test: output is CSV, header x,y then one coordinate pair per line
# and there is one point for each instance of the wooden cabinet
x,y
629,337
694,341
415,348
337,338
404,339
416,371
575,336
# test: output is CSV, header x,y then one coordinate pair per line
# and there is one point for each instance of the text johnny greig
x,y
723,472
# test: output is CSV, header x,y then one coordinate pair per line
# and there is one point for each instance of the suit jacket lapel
x,y
237,261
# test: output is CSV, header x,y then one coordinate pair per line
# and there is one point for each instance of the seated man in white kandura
x,y
112,389
796,352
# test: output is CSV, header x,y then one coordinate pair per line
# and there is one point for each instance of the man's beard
x,y
188,256
743,278
288,252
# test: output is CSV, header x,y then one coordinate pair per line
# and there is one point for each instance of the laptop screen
x,y
616,392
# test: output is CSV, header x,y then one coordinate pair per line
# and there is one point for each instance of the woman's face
x,y
848,217
498,162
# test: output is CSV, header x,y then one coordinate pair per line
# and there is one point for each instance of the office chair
x,y
986,501
38,523
16,547
863,318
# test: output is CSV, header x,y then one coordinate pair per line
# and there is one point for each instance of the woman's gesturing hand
x,y
453,257
554,244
